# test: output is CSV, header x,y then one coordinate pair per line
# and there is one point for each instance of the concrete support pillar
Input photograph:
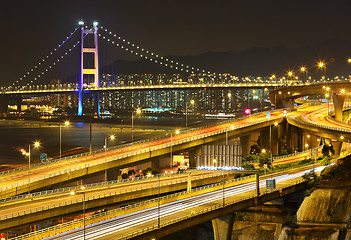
x,y
265,140
291,136
4,102
245,142
223,227
338,101
193,155
19,103
189,183
113,174
337,147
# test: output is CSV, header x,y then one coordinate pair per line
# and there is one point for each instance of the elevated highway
x,y
315,119
23,209
77,167
161,217
335,91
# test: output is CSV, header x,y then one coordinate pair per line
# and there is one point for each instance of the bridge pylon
x,y
88,71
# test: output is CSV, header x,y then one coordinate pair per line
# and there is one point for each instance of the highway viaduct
x,y
139,153
335,92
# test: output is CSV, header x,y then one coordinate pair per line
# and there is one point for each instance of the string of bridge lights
x,y
153,57
44,59
54,64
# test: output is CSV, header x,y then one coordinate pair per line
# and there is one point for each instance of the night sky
x,y
31,29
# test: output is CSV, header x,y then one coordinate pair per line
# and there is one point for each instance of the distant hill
x,y
258,61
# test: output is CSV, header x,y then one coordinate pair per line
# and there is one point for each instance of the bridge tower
x,y
83,71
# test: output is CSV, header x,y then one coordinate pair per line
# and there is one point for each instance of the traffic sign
x,y
43,157
268,114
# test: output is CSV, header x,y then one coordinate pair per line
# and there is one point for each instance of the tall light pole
x,y
138,111
215,161
36,145
158,202
323,66
83,192
270,145
66,123
304,70
90,136
327,95
192,102
171,160
112,137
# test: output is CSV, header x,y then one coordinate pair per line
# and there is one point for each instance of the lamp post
x,y
215,161
192,102
323,66
304,70
327,95
36,144
138,111
112,137
171,161
270,145
73,193
66,123
158,202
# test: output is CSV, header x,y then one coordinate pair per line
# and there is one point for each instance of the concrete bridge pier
x,y
338,101
223,227
265,140
292,136
245,142
19,103
4,102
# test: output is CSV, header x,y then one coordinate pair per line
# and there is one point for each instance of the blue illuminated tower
x,y
83,71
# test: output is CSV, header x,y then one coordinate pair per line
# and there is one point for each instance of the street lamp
x,y
112,137
192,102
215,161
290,74
66,123
138,111
304,70
327,95
83,192
36,145
171,161
322,65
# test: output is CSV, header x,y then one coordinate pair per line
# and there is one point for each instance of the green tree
x,y
131,172
248,166
325,150
325,161
124,176
263,159
255,149
250,157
